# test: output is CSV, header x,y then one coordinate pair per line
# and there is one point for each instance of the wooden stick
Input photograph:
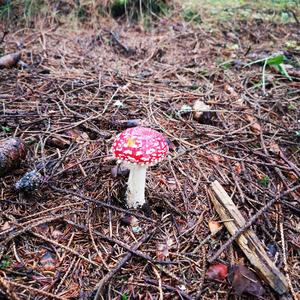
x,y
247,241
182,294
31,289
6,289
101,203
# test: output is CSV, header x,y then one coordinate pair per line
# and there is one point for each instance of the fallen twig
x,y
167,287
120,243
120,264
246,238
31,289
249,223
6,289
103,204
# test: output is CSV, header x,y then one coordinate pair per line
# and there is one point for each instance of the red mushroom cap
x,y
140,145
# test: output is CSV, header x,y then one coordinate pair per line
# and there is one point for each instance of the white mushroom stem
x,y
136,186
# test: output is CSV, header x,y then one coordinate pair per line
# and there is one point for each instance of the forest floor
x,y
77,89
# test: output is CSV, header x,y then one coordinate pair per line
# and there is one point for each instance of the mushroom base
x,y
136,186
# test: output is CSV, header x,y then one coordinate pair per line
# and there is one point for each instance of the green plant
x,y
292,106
5,129
275,61
5,262
137,9
5,9
265,180
124,297
191,15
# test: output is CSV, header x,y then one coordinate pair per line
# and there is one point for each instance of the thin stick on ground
x,y
249,223
105,280
181,293
31,289
103,204
6,289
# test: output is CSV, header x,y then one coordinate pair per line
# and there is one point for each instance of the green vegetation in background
x,y
191,15
84,10
136,8
144,11
279,11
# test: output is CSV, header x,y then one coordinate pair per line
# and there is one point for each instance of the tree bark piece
x,y
247,241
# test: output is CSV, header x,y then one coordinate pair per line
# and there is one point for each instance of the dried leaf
x,y
217,272
214,226
57,234
76,135
58,142
69,136
230,90
274,147
48,262
12,152
245,281
199,108
129,220
9,60
162,249
238,168
5,226
255,126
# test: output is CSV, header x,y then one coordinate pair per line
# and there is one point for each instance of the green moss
x,y
191,15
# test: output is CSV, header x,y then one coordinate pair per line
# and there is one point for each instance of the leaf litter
x,y
63,106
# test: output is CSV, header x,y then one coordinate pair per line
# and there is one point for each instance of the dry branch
x,y
247,241
103,204
6,288
31,289
120,264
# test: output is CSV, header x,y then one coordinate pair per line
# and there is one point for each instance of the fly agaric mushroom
x,y
138,148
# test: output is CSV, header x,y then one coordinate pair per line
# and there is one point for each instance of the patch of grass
x,y
191,15
21,11
135,9
279,11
